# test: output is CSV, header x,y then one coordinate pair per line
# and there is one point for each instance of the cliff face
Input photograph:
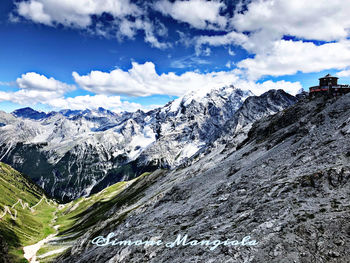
x,y
287,185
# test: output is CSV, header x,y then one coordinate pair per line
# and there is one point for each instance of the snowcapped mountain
x,y
189,124
73,153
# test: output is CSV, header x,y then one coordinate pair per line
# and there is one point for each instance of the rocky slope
x,y
286,185
74,153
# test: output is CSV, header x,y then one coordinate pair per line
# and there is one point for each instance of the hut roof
x,y
328,76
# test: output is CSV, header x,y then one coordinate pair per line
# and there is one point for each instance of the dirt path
x,y
31,251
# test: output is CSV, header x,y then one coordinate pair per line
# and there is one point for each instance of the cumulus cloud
x,y
35,88
75,13
128,18
33,97
4,96
200,14
261,29
344,73
140,80
260,88
35,11
289,57
39,89
143,80
266,21
315,20
232,38
37,82
113,103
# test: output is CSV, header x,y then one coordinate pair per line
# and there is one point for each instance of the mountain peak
x,y
29,113
204,95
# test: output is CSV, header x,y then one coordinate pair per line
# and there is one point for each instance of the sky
x,y
125,55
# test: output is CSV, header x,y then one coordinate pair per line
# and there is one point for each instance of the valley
x,y
57,225
272,178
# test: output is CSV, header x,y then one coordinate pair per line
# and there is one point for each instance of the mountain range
x,y
271,167
73,153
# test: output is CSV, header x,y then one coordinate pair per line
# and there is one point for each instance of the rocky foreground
x,y
287,186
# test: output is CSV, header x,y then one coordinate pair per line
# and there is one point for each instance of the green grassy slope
x,y
29,226
21,224
71,214
79,215
82,213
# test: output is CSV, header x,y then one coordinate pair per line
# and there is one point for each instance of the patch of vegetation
x,y
56,247
83,213
71,213
19,225
32,225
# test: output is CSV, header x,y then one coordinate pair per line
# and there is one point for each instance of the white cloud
x,y
150,36
184,39
31,97
4,96
344,73
113,103
35,88
128,17
231,52
2,83
315,20
289,57
188,61
260,30
266,21
260,88
35,11
75,13
38,89
232,38
200,14
143,80
140,80
37,82
127,29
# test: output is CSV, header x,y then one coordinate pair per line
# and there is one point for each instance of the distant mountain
x,y
29,113
73,153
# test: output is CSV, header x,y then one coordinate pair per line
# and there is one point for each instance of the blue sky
x,y
125,55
